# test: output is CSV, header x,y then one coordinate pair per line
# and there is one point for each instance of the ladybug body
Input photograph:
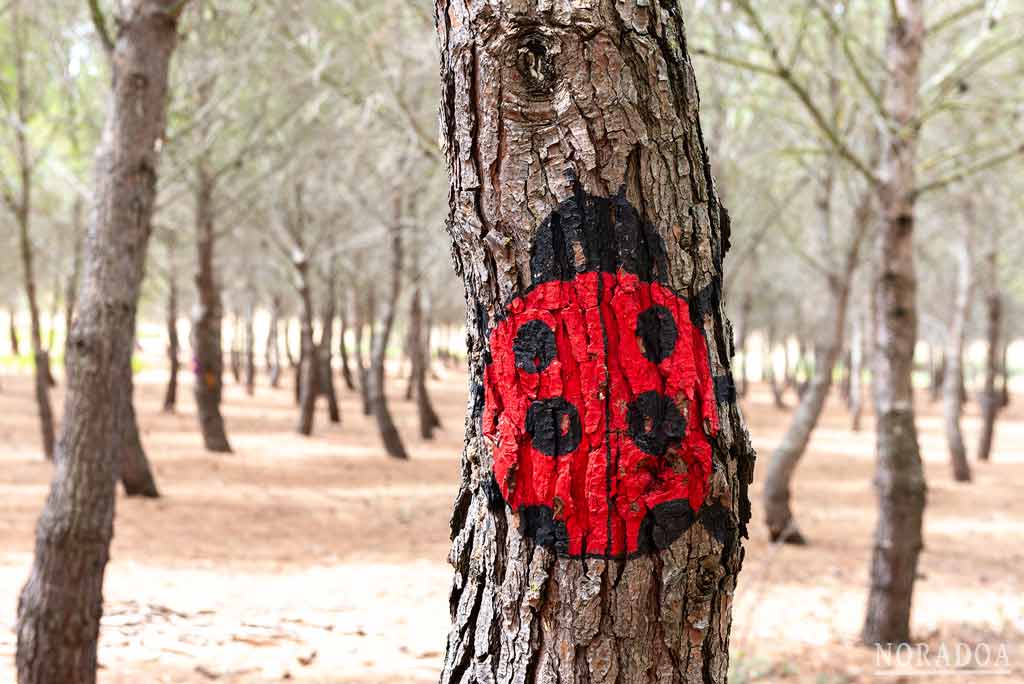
x,y
599,403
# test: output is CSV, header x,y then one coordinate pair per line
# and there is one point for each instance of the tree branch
x,y
100,22
964,173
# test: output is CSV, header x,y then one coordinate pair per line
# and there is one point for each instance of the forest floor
x,y
320,560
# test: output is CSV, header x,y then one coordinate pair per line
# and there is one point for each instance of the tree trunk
x,y
989,398
206,326
23,215
420,355
952,389
250,347
778,389
71,287
235,353
61,604
899,475
582,562
173,343
831,329
273,351
12,331
857,373
378,400
742,329
307,376
346,369
1004,391
367,319
325,367
136,475
938,372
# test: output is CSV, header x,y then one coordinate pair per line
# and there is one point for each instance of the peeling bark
x,y
61,604
573,143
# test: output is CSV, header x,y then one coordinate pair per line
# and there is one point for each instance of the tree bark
x,y
61,604
952,387
899,474
580,184
366,319
989,399
378,400
206,326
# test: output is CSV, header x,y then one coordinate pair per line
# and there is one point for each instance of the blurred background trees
x,y
876,197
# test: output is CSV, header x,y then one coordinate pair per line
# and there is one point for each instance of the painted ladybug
x,y
599,402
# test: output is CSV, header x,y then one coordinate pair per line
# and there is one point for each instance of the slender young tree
x,y
597,529
61,604
956,336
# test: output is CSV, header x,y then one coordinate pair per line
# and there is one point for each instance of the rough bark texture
x,y
899,475
378,400
208,354
61,604
575,156
989,399
952,390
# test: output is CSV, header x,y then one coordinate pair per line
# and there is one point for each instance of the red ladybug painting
x,y
599,401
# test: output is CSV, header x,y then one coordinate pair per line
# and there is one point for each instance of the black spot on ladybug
x,y
534,346
664,524
719,522
539,524
495,501
655,423
554,425
590,233
657,332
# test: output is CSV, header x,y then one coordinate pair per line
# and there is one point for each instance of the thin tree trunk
x,y
990,403
937,366
832,330
71,287
23,214
307,375
273,351
565,579
899,475
778,389
1004,391
250,346
136,475
206,327
378,400
346,369
742,330
857,373
12,331
173,343
952,390
236,349
61,604
428,418
325,367
367,319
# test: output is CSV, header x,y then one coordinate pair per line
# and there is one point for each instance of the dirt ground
x,y
320,560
